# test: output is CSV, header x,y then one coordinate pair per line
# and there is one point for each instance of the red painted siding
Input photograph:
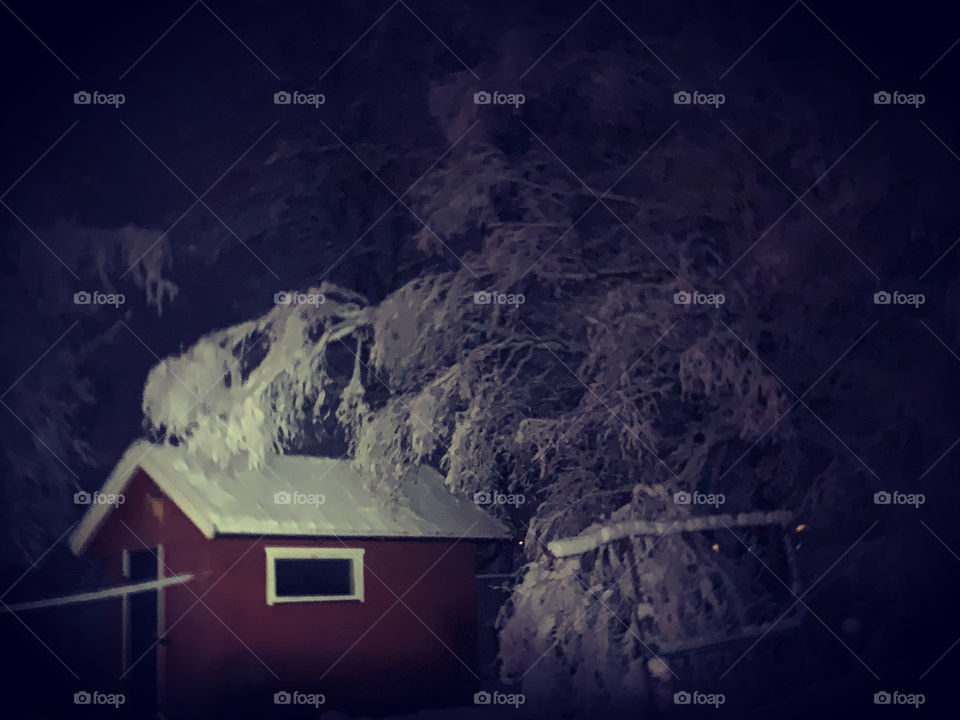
x,y
231,645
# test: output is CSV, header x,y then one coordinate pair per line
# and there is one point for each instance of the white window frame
x,y
355,555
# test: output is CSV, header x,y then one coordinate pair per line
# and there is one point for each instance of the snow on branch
x,y
249,389
593,539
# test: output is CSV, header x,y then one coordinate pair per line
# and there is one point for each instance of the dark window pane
x,y
143,564
313,576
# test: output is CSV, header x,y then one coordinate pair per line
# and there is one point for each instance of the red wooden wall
x,y
232,647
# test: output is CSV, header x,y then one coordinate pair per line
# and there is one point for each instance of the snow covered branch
x,y
593,539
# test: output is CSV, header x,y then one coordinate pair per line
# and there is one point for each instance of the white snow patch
x,y
295,495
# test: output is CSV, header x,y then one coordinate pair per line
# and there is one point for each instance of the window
x,y
314,574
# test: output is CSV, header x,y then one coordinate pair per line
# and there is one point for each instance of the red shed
x,y
289,584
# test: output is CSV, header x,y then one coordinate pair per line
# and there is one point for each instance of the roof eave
x,y
117,482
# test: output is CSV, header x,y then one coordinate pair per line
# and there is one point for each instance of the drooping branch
x,y
593,539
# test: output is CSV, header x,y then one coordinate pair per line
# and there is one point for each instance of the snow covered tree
x,y
518,328
598,396
59,342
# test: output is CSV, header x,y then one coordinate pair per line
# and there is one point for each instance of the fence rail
x,y
118,591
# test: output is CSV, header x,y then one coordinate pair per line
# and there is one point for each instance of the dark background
x,y
200,99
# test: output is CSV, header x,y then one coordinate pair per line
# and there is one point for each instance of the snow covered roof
x,y
292,495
